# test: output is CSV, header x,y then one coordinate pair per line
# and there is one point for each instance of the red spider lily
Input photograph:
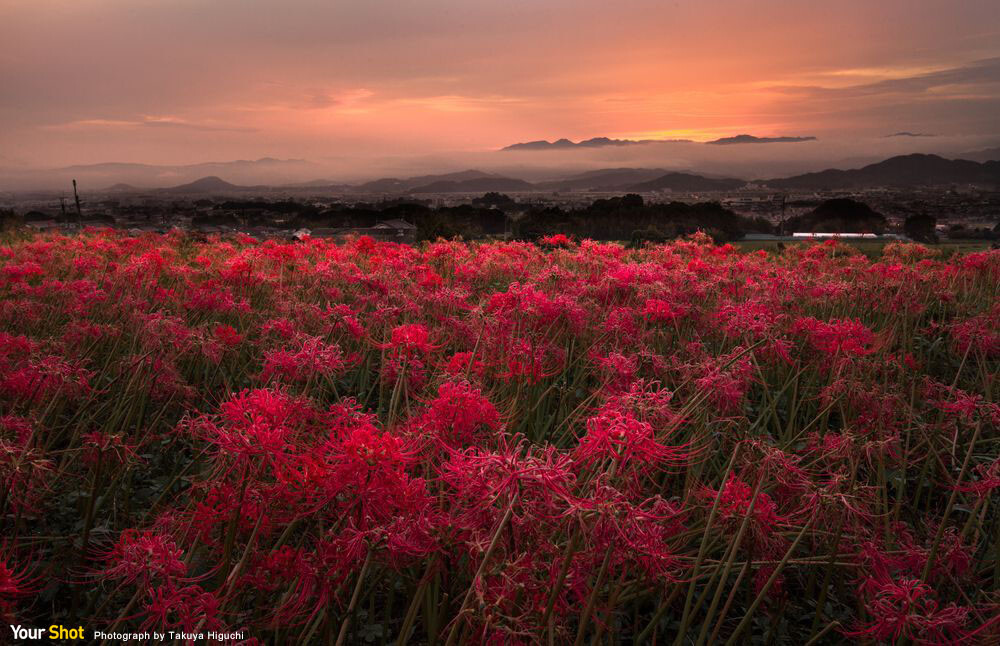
x,y
763,461
734,505
227,336
480,477
660,311
37,379
104,445
988,480
637,535
23,469
724,380
618,436
532,307
837,337
409,341
906,609
345,318
532,362
979,333
15,585
310,358
255,426
620,369
556,240
459,415
143,557
186,608
465,364
754,319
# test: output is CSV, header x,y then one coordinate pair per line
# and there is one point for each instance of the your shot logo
x,y
53,632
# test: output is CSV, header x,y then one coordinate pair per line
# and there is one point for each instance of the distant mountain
x,y
750,139
121,188
903,170
266,170
477,185
323,183
906,133
607,179
989,154
396,185
595,142
211,184
687,182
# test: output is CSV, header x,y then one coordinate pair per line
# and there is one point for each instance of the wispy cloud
x,y
144,122
984,72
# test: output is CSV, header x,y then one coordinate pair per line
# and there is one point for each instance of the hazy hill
x,y
594,142
477,185
266,170
904,170
396,185
989,154
211,184
121,188
687,182
750,139
603,179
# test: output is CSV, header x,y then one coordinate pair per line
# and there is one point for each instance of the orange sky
x,y
185,81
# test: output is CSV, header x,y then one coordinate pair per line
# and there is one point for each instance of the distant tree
x,y
651,234
631,201
435,226
611,219
499,200
9,219
921,228
215,220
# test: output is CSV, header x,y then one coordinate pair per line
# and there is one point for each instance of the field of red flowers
x,y
559,443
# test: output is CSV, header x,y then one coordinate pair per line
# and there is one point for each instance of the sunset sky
x,y
183,81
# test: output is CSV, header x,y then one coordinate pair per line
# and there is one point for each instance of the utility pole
x,y
76,198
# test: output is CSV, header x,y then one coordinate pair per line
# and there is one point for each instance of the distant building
x,y
43,225
397,228
811,234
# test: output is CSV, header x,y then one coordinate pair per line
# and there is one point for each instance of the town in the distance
x,y
921,197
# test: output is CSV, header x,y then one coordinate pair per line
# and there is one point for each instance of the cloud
x,y
143,122
984,72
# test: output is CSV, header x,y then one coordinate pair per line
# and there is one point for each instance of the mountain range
x,y
595,142
210,184
904,170
266,170
250,176
600,142
750,139
396,185
604,179
985,155
901,171
688,182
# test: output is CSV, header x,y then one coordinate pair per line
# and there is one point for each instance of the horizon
x,y
748,162
342,86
